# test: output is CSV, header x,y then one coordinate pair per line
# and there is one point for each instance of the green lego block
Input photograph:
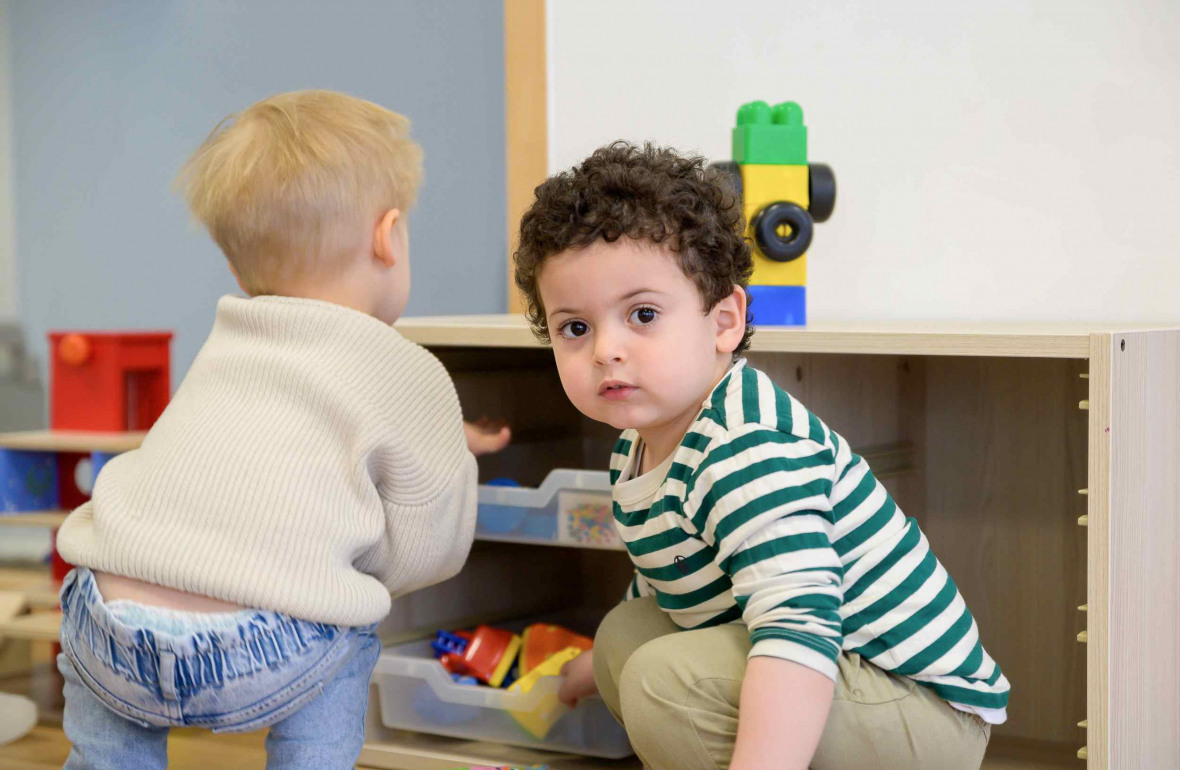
x,y
771,135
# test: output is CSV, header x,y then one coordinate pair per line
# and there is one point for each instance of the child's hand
x,y
485,436
579,679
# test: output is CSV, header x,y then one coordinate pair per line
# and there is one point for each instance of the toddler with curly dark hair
x,y
784,613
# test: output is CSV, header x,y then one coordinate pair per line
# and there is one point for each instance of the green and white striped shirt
x,y
764,515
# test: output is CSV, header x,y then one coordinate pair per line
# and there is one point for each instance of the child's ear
x,y
384,250
730,317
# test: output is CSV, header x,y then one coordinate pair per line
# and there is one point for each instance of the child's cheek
x,y
573,382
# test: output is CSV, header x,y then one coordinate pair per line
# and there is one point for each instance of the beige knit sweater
x,y
311,463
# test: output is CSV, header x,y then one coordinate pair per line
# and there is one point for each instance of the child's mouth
x,y
616,391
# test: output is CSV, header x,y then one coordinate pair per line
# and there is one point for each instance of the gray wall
x,y
7,269
109,98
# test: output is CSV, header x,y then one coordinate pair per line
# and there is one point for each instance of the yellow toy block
x,y
762,185
540,720
502,668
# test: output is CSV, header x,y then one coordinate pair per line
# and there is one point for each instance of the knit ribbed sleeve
x,y
312,462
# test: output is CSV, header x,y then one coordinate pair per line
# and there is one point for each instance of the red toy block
x,y
454,664
490,653
108,381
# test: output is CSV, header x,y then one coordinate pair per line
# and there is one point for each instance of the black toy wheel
x,y
822,191
769,225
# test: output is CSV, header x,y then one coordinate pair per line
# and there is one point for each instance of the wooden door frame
x,y
526,117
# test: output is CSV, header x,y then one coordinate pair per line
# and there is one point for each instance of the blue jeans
x,y
126,686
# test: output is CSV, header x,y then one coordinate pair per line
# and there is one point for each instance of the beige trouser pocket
x,y
677,693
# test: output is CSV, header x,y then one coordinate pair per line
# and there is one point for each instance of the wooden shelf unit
x,y
999,452
38,587
62,441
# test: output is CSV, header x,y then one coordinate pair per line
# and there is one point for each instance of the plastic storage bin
x,y
571,507
416,693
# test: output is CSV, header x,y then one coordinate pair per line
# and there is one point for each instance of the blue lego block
x,y
446,643
28,481
97,461
778,305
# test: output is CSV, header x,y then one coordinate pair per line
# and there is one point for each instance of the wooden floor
x,y
46,747
190,749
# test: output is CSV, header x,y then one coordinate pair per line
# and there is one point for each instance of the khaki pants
x,y
677,693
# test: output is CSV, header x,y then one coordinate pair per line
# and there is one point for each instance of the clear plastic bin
x,y
416,693
571,507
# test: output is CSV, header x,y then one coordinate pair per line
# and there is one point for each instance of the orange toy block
x,y
541,641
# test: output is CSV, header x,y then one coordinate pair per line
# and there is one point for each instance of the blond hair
x,y
290,186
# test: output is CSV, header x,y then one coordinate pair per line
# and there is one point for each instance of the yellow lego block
x,y
502,668
541,719
761,186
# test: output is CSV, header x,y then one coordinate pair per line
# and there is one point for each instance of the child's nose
x,y
607,348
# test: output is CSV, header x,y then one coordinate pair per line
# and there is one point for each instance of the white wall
x,y
8,308
995,160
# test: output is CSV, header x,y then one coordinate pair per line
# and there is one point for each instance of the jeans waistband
x,y
206,657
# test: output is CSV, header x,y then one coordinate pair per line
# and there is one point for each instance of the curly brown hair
x,y
646,193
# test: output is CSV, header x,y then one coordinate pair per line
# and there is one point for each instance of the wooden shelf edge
x,y
50,519
932,339
72,441
36,627
37,586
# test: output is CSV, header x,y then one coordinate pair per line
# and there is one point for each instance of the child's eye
x,y
573,329
643,315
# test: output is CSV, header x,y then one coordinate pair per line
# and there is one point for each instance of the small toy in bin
x,y
498,658
541,719
449,647
490,654
450,643
540,641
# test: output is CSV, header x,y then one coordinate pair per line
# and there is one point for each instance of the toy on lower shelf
x,y
490,655
486,653
448,643
542,641
416,693
541,719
